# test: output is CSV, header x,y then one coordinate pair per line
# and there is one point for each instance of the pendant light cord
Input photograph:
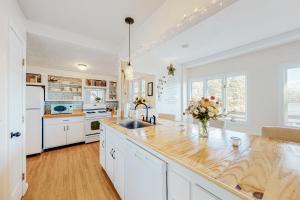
x,y
129,45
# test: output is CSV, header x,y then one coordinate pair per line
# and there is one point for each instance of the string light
x,y
197,14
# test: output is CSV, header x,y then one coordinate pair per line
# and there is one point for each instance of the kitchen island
x,y
260,168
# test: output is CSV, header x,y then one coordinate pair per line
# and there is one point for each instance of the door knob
x,y
16,134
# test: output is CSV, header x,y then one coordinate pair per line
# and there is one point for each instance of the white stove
x,y
93,114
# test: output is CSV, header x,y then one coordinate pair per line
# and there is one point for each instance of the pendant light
x,y
129,68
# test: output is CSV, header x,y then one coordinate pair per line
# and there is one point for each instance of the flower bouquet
x,y
204,110
139,100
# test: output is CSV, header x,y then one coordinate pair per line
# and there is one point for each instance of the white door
x,y
109,152
178,186
75,132
119,166
102,148
145,175
54,135
15,114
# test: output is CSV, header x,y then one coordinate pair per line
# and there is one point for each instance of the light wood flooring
x,y
71,173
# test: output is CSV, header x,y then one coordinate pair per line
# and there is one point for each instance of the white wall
x,y
264,82
10,14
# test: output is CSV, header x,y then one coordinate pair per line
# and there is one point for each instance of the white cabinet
x,y
102,147
178,186
75,132
145,175
63,131
199,193
115,159
54,135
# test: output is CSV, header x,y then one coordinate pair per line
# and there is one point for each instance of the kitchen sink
x,y
134,124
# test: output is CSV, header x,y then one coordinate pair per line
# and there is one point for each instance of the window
x,y
138,88
92,93
235,97
230,92
197,90
292,97
215,88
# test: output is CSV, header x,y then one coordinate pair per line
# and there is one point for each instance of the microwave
x,y
61,108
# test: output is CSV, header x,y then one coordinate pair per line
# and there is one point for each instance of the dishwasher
x,y
145,175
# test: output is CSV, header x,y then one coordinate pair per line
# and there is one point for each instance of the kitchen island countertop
x,y
259,166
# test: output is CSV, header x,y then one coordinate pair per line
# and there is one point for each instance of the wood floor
x,y
71,173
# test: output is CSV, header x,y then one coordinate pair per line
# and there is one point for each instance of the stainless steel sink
x,y
134,124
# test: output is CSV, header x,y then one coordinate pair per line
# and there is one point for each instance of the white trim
x,y
13,28
275,40
283,100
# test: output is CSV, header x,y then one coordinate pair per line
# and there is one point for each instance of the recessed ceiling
x,y
98,19
60,55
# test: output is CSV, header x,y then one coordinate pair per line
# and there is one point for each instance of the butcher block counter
x,y
77,114
260,168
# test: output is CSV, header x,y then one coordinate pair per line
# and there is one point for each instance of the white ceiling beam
x,y
62,35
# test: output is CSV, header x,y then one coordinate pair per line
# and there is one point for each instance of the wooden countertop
x,y
79,114
259,165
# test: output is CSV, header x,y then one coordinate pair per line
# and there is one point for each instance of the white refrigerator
x,y
34,115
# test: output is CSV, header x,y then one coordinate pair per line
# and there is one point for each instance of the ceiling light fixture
x,y
82,67
129,69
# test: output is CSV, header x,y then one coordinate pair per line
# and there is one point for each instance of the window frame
x,y
284,90
224,92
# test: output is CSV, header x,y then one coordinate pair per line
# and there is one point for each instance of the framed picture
x,y
150,89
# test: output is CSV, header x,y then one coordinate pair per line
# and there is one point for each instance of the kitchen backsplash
x,y
77,106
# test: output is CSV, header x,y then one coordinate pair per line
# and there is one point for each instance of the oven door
x,y
92,130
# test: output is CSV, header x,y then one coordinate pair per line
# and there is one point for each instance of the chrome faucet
x,y
147,119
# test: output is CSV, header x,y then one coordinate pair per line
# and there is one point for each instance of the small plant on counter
x,y
203,111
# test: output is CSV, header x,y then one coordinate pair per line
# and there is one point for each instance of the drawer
x,y
63,120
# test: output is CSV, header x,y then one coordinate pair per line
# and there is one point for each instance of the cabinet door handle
x,y
64,128
67,127
113,155
102,143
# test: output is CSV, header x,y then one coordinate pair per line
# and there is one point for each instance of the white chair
x,y
281,133
217,124
167,116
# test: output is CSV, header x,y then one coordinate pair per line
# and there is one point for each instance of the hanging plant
x,y
171,70
162,82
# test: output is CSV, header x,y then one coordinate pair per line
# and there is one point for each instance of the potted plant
x,y
98,99
204,110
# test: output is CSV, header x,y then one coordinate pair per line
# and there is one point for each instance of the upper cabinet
x,y
64,89
33,79
95,83
112,91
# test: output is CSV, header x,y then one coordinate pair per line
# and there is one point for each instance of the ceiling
x,y
98,19
224,33
54,54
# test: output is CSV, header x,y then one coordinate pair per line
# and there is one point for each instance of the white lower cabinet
x,y
63,131
199,193
138,174
145,175
102,148
178,186
114,165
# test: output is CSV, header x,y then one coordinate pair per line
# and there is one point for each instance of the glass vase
x,y
203,127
